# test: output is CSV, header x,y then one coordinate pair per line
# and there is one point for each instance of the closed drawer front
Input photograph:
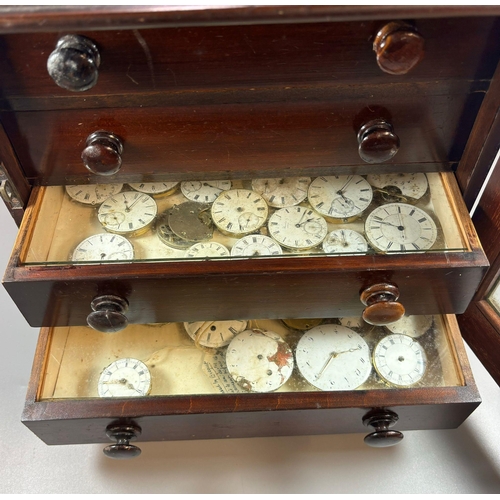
x,y
195,392
161,283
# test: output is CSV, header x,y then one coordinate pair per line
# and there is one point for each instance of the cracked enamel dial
x,y
345,241
207,249
413,326
340,198
129,213
214,334
155,188
259,361
103,247
239,211
410,186
333,358
93,194
255,244
282,192
399,360
399,227
204,191
124,378
297,228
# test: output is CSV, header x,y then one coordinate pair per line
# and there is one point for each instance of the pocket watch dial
x,y
155,187
204,191
340,197
129,212
259,361
239,211
412,186
93,194
214,334
297,228
413,326
103,247
398,227
254,245
282,192
124,378
345,241
399,360
208,249
333,358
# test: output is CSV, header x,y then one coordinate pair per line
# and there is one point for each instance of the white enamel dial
x,y
129,212
204,191
282,192
399,360
239,211
103,247
352,322
412,186
207,249
340,197
93,194
214,334
413,326
124,378
297,228
259,361
153,188
399,227
333,358
345,241
255,244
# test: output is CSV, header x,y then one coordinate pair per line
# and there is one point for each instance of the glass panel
x,y
494,297
271,218
249,356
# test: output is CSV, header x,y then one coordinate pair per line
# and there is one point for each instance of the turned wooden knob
x,y
102,154
377,141
382,308
74,63
123,434
399,48
381,420
107,314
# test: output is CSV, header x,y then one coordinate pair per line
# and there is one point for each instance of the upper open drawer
x,y
290,247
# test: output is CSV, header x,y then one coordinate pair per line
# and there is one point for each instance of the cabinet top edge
x,y
22,19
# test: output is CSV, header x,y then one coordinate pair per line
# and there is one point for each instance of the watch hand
x,y
341,190
401,227
332,356
133,203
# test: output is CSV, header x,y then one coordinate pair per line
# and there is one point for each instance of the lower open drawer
x,y
178,381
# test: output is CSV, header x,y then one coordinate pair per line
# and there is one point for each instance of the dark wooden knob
x,y
381,420
102,154
108,314
74,63
377,141
382,308
399,48
123,434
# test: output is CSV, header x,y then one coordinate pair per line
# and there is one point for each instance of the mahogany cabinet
x,y
134,95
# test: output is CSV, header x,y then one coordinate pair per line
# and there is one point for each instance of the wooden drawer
x,y
142,64
162,285
193,395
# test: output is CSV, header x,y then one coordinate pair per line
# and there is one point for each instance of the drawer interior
x,y
60,224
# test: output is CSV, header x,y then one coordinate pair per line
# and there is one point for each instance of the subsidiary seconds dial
x,y
399,227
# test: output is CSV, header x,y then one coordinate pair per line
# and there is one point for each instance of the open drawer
x,y
248,378
306,260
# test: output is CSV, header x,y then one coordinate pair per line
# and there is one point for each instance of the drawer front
x,y
152,61
314,135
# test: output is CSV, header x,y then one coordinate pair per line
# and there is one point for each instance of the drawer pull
x,y
108,314
123,434
399,48
377,141
74,63
382,308
381,420
103,153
